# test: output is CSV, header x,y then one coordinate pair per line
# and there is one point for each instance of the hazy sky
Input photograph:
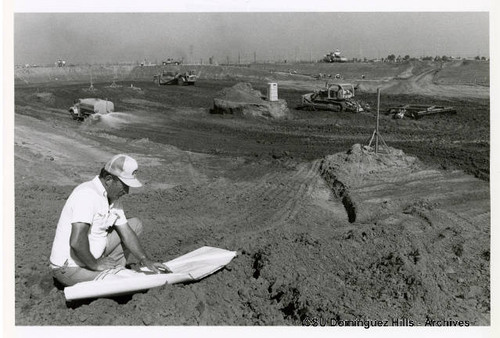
x,y
42,38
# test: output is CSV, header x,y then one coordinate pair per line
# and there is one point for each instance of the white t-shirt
x,y
88,203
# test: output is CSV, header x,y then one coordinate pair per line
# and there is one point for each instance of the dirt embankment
x,y
462,78
88,74
70,74
466,72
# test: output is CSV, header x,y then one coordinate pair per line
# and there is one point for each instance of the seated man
x,y
93,231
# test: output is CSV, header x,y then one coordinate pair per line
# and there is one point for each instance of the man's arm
x,y
79,243
131,241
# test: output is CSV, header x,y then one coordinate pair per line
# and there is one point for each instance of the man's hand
x,y
129,238
154,266
105,263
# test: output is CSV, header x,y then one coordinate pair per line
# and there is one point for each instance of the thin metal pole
x,y
378,117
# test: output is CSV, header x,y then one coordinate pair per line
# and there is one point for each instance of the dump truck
x,y
175,78
83,108
335,97
417,111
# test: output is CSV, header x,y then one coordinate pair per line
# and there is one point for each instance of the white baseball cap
x,y
125,168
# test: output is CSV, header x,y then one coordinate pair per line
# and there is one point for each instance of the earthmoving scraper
x,y
417,111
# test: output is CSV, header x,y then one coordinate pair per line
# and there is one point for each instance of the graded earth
x,y
324,227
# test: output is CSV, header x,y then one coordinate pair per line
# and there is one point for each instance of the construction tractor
x,y
334,57
84,108
334,97
171,61
172,78
417,111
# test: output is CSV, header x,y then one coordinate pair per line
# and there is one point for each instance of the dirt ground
x,y
324,228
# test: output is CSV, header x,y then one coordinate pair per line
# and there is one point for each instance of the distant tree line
x,y
392,58
444,58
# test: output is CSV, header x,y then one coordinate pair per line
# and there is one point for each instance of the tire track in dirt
x,y
254,198
279,177
268,194
415,84
424,84
285,199
294,198
443,191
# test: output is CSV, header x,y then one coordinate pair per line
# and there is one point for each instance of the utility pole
x,y
91,88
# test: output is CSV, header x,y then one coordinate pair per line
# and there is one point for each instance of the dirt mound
x,y
359,165
241,99
242,92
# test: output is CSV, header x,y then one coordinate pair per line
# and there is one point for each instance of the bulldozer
x,y
335,97
172,78
83,108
